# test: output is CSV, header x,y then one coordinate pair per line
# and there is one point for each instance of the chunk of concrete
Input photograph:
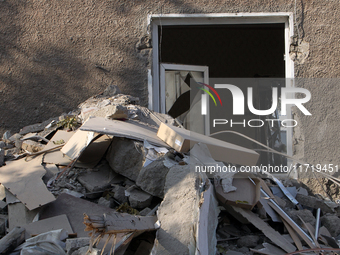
x,y
3,224
119,193
332,223
76,243
109,111
138,198
124,158
305,215
249,241
152,178
313,202
19,215
32,146
98,179
178,212
104,202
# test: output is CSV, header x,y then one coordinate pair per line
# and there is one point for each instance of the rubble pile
x,y
113,177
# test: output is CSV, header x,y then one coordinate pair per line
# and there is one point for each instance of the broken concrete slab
x,y
207,219
152,177
51,171
42,226
124,158
332,223
23,179
99,179
177,213
138,198
19,215
129,129
74,208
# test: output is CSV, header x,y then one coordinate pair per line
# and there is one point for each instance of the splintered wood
x,y
109,225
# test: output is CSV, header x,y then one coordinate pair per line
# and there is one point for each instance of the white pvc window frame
x,y
176,67
157,20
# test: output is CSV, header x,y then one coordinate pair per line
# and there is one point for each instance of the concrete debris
x,y
119,193
138,198
151,178
112,160
32,146
332,223
104,202
145,211
305,215
125,157
249,241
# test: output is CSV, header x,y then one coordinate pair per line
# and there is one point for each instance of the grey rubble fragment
x,y
332,223
313,202
305,215
177,212
249,241
36,127
138,198
98,179
32,146
104,202
151,178
109,111
119,193
124,158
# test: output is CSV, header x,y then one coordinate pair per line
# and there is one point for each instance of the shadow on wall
x,y
54,56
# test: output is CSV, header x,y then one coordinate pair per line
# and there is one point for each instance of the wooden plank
x,y
294,236
267,230
123,223
290,222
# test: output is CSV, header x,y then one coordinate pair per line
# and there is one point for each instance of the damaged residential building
x,y
117,115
